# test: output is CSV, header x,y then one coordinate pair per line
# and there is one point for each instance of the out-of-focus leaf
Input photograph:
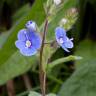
x,y
32,93
86,49
62,60
14,66
23,11
3,38
83,81
51,94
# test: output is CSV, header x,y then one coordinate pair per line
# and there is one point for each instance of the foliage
x,y
32,93
82,82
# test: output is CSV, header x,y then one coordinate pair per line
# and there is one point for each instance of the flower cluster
x,y
28,40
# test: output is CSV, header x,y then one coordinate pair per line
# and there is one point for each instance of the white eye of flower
x,y
31,25
57,2
28,43
61,40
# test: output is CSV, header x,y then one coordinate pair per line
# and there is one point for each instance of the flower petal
x,y
60,32
34,38
22,35
64,39
28,51
65,48
68,43
36,42
20,44
30,34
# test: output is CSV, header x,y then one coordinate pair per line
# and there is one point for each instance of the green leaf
x,y
51,94
14,66
83,81
86,49
62,60
21,12
32,93
3,38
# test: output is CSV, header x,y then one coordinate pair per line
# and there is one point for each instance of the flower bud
x,y
31,25
57,2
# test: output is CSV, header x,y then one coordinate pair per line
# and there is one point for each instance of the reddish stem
x,y
42,72
10,88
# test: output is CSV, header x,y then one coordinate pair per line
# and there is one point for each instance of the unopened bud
x,y
63,21
57,2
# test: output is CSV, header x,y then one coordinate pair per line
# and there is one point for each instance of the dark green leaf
x,y
83,81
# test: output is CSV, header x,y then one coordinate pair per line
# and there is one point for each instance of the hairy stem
x,y
42,73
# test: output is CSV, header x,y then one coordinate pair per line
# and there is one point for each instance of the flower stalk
x,y
42,72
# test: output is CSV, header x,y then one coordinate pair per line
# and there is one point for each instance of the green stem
x,y
42,72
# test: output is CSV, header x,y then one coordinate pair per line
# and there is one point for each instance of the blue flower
x,y
62,39
28,42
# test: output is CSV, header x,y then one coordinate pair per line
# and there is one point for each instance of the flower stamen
x,y
28,44
61,40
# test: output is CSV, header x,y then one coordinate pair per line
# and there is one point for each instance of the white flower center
x,y
28,43
61,40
